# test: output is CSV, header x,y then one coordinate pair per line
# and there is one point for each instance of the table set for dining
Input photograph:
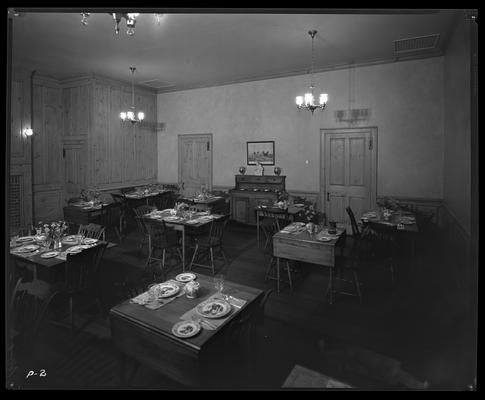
x,y
174,329
41,251
315,244
401,220
179,220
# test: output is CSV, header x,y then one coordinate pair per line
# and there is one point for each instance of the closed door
x,y
74,168
349,174
195,163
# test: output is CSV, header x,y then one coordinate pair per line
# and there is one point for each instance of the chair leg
x,y
268,270
212,260
357,285
289,274
71,315
193,257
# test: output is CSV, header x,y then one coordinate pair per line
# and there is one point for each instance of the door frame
x,y
179,145
323,172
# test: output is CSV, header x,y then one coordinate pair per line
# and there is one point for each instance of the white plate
x,y
299,205
192,221
186,329
25,239
172,219
213,308
90,241
27,248
185,277
324,239
75,249
70,239
49,254
166,289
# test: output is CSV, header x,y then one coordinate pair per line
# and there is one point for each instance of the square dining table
x,y
300,245
181,224
145,335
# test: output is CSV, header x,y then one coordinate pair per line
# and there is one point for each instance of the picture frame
x,y
262,151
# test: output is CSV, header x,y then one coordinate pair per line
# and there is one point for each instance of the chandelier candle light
x,y
308,100
131,115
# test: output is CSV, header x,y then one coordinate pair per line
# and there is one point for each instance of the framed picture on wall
x,y
262,152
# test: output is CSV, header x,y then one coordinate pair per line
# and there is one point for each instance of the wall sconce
x,y
28,132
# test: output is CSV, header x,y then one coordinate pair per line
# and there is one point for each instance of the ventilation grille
x,y
15,194
157,84
416,44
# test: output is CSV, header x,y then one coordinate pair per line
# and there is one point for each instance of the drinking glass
x,y
219,283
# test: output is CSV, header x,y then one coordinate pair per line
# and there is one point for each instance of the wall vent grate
x,y
416,44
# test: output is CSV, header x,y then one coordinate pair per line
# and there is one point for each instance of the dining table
x,y
47,262
214,204
292,210
138,196
86,212
144,329
182,222
295,242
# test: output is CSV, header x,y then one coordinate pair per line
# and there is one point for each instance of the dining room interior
x,y
242,200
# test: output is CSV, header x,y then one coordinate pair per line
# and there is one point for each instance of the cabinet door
x,y
240,206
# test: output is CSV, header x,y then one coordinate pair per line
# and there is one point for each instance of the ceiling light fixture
x,y
308,100
131,115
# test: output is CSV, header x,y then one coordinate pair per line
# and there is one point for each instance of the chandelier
x,y
131,115
308,100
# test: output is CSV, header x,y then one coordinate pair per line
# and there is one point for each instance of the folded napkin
x,y
213,323
151,303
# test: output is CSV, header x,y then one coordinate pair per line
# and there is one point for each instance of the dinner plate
x,y
75,249
324,239
172,218
90,240
186,329
192,221
213,309
70,239
166,289
27,248
299,223
185,277
49,254
299,205
24,239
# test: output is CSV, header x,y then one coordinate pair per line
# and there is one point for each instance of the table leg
x,y
278,274
183,248
330,286
257,227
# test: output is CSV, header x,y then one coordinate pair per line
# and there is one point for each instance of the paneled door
x,y
349,172
195,162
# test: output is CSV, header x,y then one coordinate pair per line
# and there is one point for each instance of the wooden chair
x,y
350,264
272,226
356,232
383,240
82,281
26,314
122,207
94,231
162,239
140,211
244,337
272,220
207,245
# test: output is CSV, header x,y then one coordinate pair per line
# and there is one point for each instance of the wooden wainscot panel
x,y
77,103
48,205
20,120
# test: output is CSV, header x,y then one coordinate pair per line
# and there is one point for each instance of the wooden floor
x,y
415,335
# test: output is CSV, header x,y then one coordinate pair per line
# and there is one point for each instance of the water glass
x,y
219,283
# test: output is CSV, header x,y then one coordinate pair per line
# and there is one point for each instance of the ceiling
x,y
188,50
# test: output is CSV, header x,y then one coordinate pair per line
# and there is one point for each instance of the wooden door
x,y
195,163
349,172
